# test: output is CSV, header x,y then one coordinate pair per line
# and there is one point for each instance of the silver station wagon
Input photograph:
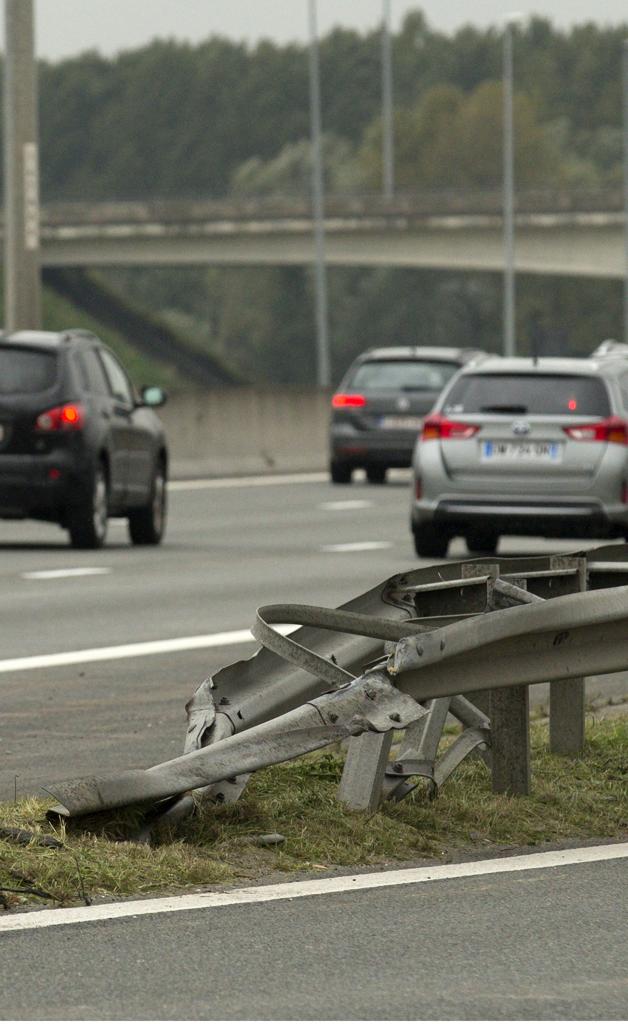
x,y
529,447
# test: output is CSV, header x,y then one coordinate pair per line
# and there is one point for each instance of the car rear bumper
x,y
565,518
373,446
38,486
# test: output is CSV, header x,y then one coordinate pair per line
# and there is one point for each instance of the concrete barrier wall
x,y
242,430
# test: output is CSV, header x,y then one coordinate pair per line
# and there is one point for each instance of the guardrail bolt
x,y
395,717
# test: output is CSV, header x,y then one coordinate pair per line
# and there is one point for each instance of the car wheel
x,y
430,541
340,472
147,524
482,542
376,474
87,521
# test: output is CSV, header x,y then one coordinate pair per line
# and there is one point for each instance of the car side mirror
x,y
153,396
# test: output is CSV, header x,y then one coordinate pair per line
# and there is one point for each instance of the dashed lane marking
x,y
360,545
59,574
248,481
344,506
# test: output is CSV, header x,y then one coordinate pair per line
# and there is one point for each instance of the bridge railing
x,y
281,206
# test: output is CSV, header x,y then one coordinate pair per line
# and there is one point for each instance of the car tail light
x,y
613,430
70,416
437,427
341,401
418,488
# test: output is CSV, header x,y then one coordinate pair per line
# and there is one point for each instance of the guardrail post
x,y
363,774
509,713
567,697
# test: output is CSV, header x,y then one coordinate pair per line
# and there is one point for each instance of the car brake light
x,y
418,488
341,401
613,430
437,427
70,416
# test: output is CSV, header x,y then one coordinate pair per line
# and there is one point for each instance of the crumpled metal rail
x,y
368,703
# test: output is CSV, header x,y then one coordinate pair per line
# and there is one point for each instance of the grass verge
x,y
572,799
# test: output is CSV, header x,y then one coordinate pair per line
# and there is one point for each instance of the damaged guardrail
x,y
458,639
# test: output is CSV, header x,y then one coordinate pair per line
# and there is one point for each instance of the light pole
x,y
318,215
22,287
388,153
625,124
509,189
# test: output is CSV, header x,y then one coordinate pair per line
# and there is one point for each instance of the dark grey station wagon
x,y
380,404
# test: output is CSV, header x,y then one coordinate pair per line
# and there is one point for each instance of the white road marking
x,y
137,650
344,506
59,574
360,545
313,887
247,481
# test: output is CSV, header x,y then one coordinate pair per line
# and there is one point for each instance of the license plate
x,y
401,422
521,451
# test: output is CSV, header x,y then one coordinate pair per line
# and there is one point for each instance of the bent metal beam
x,y
428,656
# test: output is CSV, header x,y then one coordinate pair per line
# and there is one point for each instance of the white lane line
x,y
363,545
314,887
247,481
59,574
344,506
137,650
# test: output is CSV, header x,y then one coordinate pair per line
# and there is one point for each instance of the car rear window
x,y
26,370
532,394
402,375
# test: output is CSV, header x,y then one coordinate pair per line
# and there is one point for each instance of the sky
x,y
67,27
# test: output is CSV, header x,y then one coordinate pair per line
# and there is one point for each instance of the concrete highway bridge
x,y
568,233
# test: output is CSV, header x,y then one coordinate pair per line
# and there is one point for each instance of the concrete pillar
x,y
22,287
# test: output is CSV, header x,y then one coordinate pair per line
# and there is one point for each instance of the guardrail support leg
x,y
363,775
566,716
567,698
510,740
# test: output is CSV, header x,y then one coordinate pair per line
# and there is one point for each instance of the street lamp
x,y
320,277
509,188
388,158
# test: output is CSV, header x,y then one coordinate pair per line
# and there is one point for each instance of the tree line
x,y
220,118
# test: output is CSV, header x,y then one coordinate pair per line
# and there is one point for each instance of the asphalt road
x,y
547,944
231,546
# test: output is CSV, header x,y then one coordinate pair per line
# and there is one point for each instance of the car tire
x,y
147,524
87,520
340,472
376,474
430,541
481,542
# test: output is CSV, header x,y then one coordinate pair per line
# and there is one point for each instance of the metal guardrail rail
x,y
461,639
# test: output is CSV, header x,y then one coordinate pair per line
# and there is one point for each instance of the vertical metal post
x,y
320,275
21,171
508,195
363,775
625,127
388,150
567,697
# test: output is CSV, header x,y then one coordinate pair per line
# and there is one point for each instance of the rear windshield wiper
x,y
517,409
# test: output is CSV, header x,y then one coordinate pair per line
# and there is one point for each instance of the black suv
x,y
77,443
378,410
